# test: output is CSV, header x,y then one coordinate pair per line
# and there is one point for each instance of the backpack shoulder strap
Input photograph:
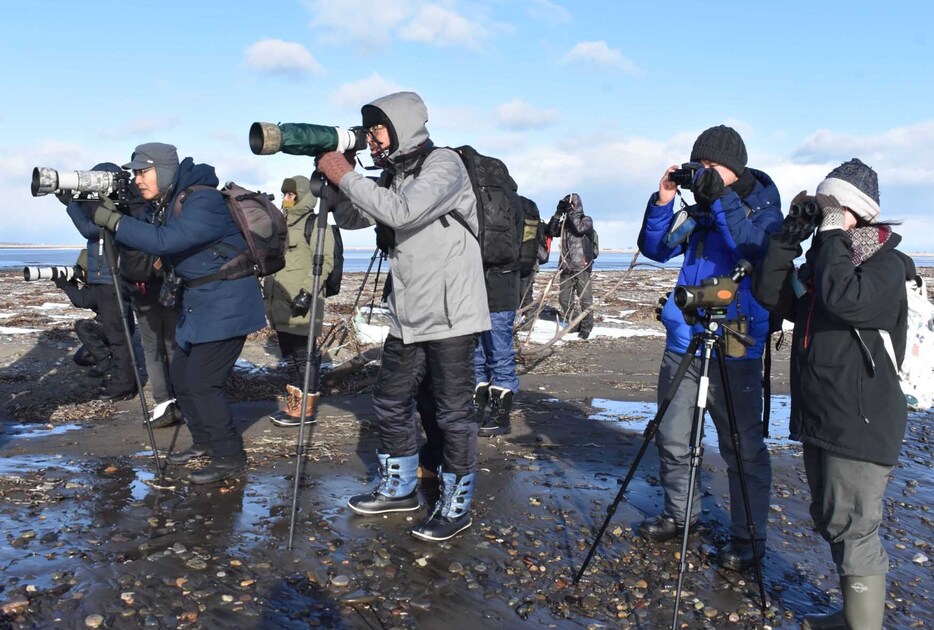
x,y
181,197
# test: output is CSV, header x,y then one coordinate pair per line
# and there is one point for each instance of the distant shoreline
x,y
28,246
608,250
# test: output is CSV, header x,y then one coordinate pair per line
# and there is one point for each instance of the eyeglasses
x,y
375,128
139,171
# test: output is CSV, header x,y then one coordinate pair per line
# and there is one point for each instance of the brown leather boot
x,y
291,416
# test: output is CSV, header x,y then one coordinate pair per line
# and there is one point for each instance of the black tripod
x,y
707,340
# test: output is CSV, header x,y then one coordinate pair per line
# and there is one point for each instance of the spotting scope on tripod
x,y
706,305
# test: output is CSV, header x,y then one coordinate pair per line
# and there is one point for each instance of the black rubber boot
x,y
187,455
497,423
833,621
220,468
660,528
737,555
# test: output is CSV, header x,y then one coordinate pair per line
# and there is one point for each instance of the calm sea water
x,y
354,260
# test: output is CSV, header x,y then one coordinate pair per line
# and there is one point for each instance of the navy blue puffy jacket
x,y
217,310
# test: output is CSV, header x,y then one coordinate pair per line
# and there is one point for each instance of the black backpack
x,y
591,243
498,204
332,284
531,236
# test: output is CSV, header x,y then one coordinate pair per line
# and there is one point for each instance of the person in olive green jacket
x,y
287,295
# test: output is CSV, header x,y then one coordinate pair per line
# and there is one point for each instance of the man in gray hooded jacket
x,y
437,305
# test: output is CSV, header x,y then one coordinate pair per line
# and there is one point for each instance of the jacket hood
x,y
408,115
191,174
304,200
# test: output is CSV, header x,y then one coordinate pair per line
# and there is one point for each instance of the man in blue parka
x,y
736,210
215,316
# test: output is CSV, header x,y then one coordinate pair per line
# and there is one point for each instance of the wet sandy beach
x,y
93,539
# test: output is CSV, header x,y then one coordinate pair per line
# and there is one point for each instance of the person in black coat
x,y
847,406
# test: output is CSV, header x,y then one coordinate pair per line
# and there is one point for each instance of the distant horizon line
x,y
608,250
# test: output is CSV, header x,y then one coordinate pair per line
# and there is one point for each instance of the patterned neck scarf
x,y
867,240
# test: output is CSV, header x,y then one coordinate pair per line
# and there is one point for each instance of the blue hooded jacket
x,y
734,229
82,213
218,310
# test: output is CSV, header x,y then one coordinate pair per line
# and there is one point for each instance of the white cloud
x,y
548,11
367,23
372,24
599,53
904,155
519,115
358,93
281,57
442,27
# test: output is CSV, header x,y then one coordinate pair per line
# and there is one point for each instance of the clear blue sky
x,y
596,97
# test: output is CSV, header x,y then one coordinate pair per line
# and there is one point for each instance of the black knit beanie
x,y
288,186
855,186
723,145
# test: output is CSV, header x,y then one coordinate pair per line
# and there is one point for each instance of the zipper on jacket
x,y
447,314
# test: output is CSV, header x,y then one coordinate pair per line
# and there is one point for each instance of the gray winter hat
x,y
855,186
723,145
164,157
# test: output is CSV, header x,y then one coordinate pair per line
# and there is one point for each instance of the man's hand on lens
x,y
60,282
106,216
708,186
334,166
834,216
65,197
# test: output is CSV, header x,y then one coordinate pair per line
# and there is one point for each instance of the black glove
x,y
301,304
661,305
60,282
795,230
65,197
708,186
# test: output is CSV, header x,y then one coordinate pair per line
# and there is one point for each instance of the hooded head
x,y
300,186
405,116
855,186
162,157
575,200
723,145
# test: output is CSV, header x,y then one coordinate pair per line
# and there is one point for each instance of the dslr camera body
x,y
684,177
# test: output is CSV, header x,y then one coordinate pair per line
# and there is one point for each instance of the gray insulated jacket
x,y
572,229
438,290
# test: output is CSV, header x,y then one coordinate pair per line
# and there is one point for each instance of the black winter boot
x,y
481,396
220,468
497,423
180,457
451,514
396,492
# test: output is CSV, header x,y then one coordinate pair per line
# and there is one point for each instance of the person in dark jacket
x,y
121,382
95,348
573,227
847,406
495,380
737,209
437,306
215,316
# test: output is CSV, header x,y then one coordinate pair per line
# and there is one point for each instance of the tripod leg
x,y
737,449
648,434
697,454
